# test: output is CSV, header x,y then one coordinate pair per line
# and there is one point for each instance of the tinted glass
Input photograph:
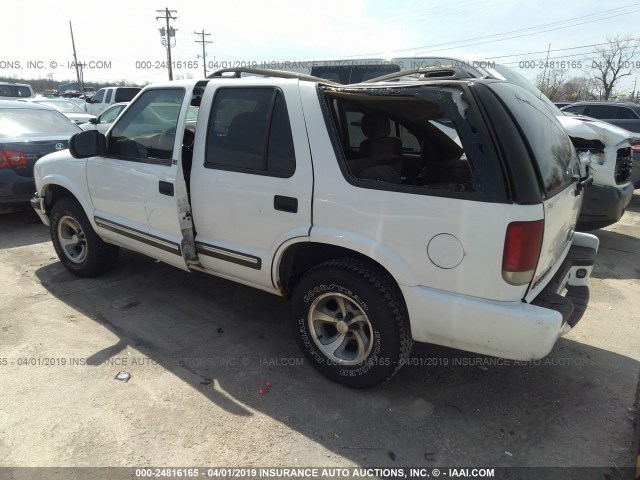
x,y
108,97
625,113
280,157
23,92
249,130
126,94
555,157
600,111
143,134
15,91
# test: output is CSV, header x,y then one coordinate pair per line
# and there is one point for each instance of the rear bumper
x,y
514,330
603,206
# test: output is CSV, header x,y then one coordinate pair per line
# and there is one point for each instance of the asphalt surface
x,y
199,349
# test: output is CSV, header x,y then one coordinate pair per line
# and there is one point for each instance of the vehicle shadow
x,y
444,408
22,228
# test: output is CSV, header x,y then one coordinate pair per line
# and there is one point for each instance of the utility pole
x,y
75,61
633,95
546,64
204,53
169,32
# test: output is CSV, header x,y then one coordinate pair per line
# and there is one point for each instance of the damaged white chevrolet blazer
x,y
440,212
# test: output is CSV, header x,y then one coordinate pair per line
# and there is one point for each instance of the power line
x,y
466,41
555,50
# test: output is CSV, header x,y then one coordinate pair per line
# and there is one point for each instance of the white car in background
x,y
103,122
71,110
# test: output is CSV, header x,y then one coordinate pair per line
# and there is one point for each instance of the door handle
x,y
285,204
165,188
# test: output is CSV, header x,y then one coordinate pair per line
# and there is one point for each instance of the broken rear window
x,y
415,138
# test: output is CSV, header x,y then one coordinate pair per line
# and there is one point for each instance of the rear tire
x,y
351,322
77,245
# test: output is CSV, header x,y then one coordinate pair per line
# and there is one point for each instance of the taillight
x,y
522,246
11,158
635,147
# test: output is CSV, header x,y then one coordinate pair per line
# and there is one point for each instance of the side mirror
x,y
94,120
88,99
87,144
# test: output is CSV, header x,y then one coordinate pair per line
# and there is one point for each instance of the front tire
x,y
351,323
77,245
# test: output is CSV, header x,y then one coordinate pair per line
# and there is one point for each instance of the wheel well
x,y
55,193
301,257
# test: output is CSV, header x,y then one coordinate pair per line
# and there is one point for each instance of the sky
x,y
120,39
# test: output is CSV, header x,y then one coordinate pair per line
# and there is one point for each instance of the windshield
x,y
15,122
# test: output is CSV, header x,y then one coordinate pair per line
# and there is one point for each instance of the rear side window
x,y
125,94
625,113
144,134
249,131
555,156
17,91
422,140
600,111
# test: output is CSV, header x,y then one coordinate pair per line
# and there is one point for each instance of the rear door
x,y
558,168
137,187
251,184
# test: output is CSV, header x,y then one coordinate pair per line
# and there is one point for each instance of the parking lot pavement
x,y
199,349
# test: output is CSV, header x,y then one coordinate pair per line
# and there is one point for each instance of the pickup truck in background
x,y
355,201
105,97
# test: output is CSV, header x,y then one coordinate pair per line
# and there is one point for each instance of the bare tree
x,y
611,62
551,84
577,88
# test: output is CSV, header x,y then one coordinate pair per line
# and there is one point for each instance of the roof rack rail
x,y
433,72
267,72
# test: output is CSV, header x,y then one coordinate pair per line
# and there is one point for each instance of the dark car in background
x,y
28,131
622,114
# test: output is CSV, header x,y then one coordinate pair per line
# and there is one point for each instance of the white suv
x,y
440,211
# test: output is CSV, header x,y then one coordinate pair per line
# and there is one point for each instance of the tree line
x,y
607,65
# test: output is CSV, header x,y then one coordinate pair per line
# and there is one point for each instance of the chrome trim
x,y
152,240
229,255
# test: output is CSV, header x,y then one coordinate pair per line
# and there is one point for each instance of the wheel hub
x,y
340,328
